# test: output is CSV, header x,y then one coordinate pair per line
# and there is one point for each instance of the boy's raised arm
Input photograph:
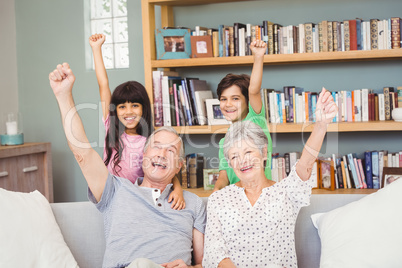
x,y
95,172
258,48
96,41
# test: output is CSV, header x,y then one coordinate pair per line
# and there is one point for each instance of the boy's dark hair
x,y
240,80
130,91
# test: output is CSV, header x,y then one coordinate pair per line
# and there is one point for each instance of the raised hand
x,y
62,79
326,108
96,40
258,47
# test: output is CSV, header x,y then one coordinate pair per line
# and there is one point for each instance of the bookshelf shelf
x,y
297,58
190,2
206,193
298,128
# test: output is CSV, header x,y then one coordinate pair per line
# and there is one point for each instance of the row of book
x,y
324,36
342,172
294,105
179,101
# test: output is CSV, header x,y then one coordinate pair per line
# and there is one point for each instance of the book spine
x,y
374,168
339,173
381,108
374,34
330,35
349,106
395,33
352,35
309,37
346,35
387,103
361,170
166,102
357,105
359,34
157,90
352,169
348,179
176,104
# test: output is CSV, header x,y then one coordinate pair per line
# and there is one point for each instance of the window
x,y
109,17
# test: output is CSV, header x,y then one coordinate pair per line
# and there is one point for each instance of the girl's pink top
x,y
131,158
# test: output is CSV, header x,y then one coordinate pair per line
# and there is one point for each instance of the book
x,y
236,27
308,27
375,170
172,80
399,90
349,179
341,179
352,168
387,103
191,160
365,101
352,35
395,32
188,81
346,182
157,90
200,97
346,35
197,85
357,105
361,170
381,108
374,34
359,34
195,167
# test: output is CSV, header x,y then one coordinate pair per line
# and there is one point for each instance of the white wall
x,y
8,62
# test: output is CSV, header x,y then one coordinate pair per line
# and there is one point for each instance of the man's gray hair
x,y
171,130
246,131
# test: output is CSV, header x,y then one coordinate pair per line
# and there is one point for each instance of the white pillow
x,y
29,234
364,233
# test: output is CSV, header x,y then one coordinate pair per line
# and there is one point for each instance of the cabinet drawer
x,y
30,172
8,170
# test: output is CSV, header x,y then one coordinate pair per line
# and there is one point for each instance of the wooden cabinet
x,y
27,167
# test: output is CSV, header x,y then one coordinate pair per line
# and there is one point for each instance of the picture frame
x,y
201,46
214,113
210,177
173,43
389,175
326,176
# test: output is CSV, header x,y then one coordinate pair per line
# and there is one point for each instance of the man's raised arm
x,y
95,172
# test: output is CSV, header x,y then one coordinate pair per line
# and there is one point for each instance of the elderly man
x,y
141,229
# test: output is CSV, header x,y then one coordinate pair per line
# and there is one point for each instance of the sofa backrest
x,y
82,227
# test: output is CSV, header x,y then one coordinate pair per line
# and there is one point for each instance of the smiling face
x,y
247,160
129,114
161,159
233,104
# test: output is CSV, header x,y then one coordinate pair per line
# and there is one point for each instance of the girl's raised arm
x,y
96,41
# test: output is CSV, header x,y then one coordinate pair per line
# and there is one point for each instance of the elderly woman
x,y
251,223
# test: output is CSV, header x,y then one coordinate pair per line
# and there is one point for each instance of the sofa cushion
x,y
29,234
365,233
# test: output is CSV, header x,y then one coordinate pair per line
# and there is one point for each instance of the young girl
x,y
240,99
127,119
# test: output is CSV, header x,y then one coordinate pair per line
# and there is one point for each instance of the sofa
x,y
82,227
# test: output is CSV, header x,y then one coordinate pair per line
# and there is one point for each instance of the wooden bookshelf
x,y
297,58
206,193
298,128
190,2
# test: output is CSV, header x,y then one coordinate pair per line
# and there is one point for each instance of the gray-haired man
x,y
139,222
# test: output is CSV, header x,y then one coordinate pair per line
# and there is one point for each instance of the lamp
x,y
12,129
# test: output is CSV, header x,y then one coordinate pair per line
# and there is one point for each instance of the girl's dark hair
x,y
130,91
240,80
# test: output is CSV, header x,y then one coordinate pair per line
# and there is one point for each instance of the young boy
x,y
240,99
